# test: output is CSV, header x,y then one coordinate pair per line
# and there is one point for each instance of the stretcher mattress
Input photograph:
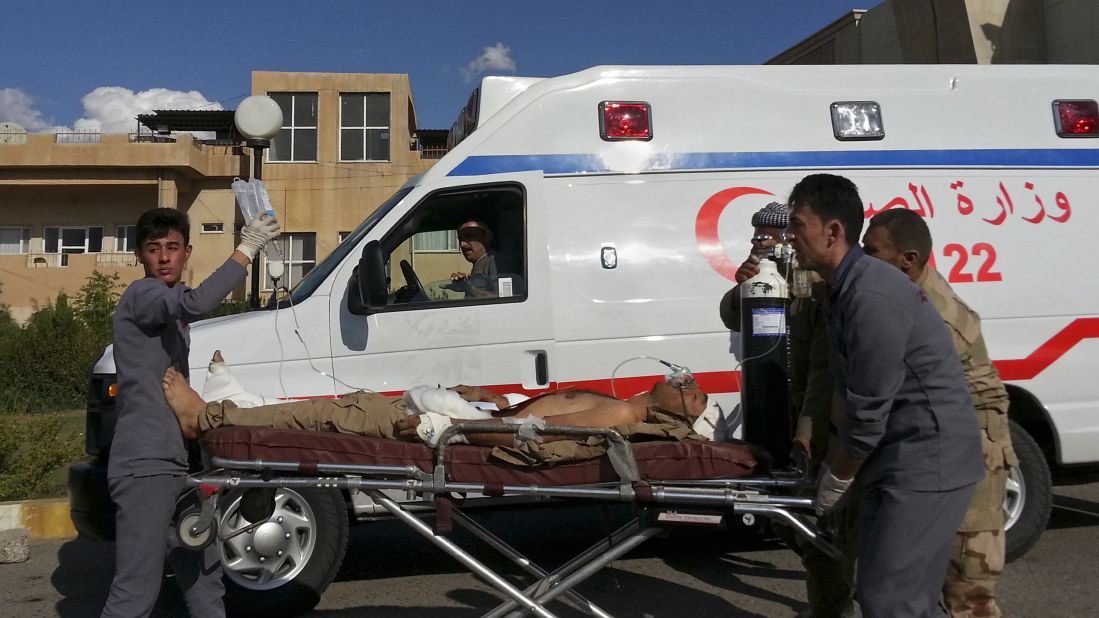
x,y
656,460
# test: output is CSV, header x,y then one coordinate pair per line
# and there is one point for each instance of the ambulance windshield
x,y
313,279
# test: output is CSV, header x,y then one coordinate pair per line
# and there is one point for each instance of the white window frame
x,y
122,238
452,242
288,125
364,127
24,238
61,232
288,259
203,230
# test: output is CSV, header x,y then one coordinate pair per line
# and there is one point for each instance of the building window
x,y
364,126
297,141
299,254
73,239
213,228
15,239
125,238
440,241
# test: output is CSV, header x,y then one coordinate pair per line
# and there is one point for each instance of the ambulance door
x,y
447,320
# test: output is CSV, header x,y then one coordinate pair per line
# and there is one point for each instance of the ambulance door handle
x,y
541,368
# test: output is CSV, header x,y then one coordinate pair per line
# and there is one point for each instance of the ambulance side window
x,y
458,247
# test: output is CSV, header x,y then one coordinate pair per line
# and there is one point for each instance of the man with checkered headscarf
x,y
828,582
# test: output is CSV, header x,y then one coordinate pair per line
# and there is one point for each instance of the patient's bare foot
x,y
184,402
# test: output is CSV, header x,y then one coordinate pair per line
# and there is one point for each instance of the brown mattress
x,y
658,460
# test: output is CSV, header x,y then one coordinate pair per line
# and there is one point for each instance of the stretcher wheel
x,y
197,540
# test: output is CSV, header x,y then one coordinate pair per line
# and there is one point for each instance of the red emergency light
x,y
625,120
1077,118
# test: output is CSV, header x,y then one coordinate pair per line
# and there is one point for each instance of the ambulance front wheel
x,y
1029,496
281,566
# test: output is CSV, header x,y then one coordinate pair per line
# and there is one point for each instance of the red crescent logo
x,y
706,228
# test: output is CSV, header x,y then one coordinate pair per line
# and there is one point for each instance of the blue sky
x,y
95,65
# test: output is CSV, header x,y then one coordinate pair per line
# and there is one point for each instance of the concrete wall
x,y
1072,31
956,31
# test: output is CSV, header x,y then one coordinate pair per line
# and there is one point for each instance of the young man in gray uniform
x,y
148,460
904,415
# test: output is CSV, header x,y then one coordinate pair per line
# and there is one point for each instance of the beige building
x,y
68,202
956,31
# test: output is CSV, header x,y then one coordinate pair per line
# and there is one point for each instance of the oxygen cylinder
x,y
765,390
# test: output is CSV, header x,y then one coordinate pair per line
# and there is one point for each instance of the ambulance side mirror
x,y
366,291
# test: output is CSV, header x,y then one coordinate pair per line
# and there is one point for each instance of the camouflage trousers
x,y
976,561
977,557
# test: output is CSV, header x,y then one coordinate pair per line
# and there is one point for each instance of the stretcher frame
x,y
746,496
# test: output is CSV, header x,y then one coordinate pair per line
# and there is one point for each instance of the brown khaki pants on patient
x,y
364,414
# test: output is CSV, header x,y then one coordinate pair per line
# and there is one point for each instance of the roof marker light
x,y
1076,118
625,120
857,120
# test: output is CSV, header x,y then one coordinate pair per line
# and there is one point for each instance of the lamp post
x,y
258,119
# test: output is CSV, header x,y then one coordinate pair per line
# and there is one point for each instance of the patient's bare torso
x,y
564,402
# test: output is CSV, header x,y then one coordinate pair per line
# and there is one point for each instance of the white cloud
x,y
18,106
108,109
113,109
495,58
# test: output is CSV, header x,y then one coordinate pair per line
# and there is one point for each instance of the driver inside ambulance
x,y
475,240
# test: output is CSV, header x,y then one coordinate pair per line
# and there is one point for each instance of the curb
x,y
43,519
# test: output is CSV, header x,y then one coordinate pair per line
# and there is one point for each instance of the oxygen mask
x,y
680,377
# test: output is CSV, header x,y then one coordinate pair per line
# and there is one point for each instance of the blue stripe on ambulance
x,y
593,164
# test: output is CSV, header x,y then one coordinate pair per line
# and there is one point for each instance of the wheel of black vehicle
x,y
1029,495
281,566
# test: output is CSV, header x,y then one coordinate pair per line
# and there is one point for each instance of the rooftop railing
x,y
78,137
433,153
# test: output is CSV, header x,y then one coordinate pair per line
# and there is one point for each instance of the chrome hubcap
x,y
272,553
1014,498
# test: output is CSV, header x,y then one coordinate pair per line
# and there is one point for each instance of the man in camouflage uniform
x,y
828,582
900,237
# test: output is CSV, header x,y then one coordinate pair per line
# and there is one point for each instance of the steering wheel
x,y
413,290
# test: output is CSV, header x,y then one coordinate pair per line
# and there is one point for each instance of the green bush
x,y
44,365
32,450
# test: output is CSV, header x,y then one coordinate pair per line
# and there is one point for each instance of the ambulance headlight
x,y
857,120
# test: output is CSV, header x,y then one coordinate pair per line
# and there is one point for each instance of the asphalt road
x,y
393,573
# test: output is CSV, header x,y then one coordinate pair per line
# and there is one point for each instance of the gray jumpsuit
x,y
148,460
909,414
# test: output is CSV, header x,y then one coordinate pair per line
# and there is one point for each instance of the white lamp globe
x,y
258,117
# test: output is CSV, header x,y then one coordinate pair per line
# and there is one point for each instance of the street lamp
x,y
258,119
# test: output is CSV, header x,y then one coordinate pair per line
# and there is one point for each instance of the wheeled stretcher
x,y
669,482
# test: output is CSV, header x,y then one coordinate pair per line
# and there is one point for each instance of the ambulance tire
x,y
1029,495
321,514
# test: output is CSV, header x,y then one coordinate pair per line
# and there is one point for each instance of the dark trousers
x,y
144,539
904,542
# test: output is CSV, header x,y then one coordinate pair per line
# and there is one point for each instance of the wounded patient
x,y
382,416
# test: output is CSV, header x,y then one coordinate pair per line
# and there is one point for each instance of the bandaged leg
x,y
443,402
433,425
221,385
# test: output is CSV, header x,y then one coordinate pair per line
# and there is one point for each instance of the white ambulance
x,y
620,200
